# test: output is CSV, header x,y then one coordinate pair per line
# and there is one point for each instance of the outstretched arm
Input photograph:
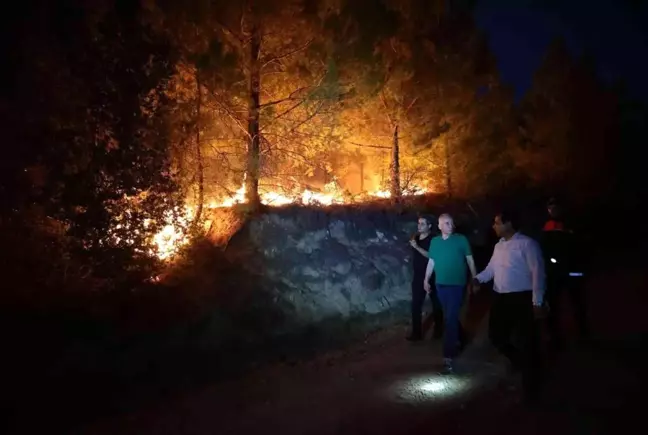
x,y
488,273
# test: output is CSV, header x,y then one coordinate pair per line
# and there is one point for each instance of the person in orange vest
x,y
565,274
556,218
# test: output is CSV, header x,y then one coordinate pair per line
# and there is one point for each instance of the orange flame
x,y
167,242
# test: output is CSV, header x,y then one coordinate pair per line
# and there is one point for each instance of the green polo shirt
x,y
449,257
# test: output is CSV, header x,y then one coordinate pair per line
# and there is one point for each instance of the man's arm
x,y
535,262
428,270
488,273
471,265
469,258
420,250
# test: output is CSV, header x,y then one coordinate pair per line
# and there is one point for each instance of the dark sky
x,y
613,31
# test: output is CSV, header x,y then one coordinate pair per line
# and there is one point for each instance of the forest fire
x,y
331,195
173,236
273,198
167,242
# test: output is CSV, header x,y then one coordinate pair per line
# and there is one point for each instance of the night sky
x,y
613,31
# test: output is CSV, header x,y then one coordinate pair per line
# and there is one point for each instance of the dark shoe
x,y
448,366
414,337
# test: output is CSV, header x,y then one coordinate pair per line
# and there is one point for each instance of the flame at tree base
x,y
174,235
331,195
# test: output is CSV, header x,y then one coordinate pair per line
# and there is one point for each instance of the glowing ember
x,y
380,194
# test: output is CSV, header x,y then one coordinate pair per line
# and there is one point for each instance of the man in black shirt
x,y
420,243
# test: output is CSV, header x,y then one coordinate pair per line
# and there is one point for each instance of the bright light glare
x,y
424,388
553,260
432,386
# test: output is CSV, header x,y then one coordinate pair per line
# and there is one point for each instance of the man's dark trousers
x,y
557,287
418,299
512,320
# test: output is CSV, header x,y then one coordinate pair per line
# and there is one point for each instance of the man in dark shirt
x,y
420,243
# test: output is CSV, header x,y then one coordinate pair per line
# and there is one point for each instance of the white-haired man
x,y
450,257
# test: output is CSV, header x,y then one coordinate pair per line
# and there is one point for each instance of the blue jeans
x,y
451,298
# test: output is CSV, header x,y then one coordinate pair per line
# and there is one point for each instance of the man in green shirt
x,y
451,257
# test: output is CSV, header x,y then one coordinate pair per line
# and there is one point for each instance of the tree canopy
x,y
126,120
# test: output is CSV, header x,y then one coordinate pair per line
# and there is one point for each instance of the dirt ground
x,y
386,385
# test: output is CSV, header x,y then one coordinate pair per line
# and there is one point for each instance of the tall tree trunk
x,y
201,171
253,150
395,188
448,172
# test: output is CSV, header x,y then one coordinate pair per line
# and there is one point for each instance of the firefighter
x,y
564,262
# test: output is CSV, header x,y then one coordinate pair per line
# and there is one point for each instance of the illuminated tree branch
x,y
288,54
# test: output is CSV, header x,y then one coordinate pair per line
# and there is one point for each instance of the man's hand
x,y
475,286
427,286
540,311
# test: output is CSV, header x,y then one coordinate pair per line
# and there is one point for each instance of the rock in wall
x,y
325,263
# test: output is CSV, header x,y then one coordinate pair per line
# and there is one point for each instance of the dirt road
x,y
389,386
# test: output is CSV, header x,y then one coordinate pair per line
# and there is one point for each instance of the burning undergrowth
x,y
164,237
